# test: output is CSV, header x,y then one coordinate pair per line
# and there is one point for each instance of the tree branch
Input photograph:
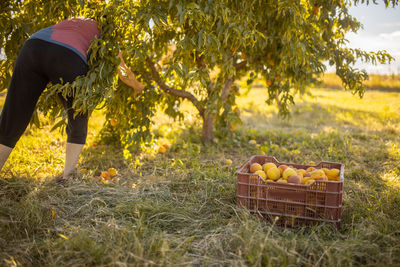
x,y
240,64
172,91
227,88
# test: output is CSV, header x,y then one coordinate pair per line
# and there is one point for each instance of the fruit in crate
x,y
288,172
294,179
255,167
282,168
273,173
261,173
268,166
333,174
318,174
301,172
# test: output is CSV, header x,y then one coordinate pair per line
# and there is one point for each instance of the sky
x,y
381,31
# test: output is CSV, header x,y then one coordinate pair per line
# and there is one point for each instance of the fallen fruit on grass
x,y
162,150
268,166
152,157
261,173
166,146
253,142
255,167
112,172
83,171
228,162
273,173
105,175
294,179
288,172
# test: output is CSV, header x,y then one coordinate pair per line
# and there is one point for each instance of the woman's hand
x,y
127,76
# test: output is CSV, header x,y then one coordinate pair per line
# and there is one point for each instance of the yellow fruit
x,y
301,171
325,170
83,171
113,122
333,174
282,180
262,153
288,172
317,173
310,169
261,173
311,181
166,146
162,150
337,178
228,162
274,173
253,142
300,175
152,157
282,168
255,167
105,175
305,179
112,172
268,166
311,163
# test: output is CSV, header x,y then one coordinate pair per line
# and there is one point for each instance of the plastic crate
x,y
291,205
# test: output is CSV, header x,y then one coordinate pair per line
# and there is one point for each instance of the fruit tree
x,y
186,50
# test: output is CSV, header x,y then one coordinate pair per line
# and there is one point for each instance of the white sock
x,y
5,152
71,158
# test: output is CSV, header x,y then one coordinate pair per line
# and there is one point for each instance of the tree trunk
x,y
207,133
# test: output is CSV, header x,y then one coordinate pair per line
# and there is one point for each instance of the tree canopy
x,y
194,51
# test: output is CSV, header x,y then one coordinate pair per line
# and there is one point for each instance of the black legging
x,y
39,63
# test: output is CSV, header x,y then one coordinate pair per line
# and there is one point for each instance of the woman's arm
x,y
127,76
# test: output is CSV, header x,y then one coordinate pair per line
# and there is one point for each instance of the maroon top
x,y
75,34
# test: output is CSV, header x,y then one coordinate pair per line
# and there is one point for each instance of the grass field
x,y
180,209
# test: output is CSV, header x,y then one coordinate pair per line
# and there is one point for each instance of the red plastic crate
x,y
291,205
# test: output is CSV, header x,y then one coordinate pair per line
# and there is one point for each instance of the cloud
x,y
390,36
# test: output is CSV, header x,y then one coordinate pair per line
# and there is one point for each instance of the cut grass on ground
x,y
180,208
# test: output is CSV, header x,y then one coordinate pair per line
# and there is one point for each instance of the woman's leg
x,y
76,132
68,66
27,84
5,152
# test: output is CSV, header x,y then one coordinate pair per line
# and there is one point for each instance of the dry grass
x,y
181,210
377,82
